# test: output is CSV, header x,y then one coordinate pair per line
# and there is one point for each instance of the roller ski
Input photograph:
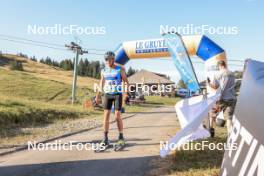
x,y
102,146
120,145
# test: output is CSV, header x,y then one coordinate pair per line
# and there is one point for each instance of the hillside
x,y
38,95
46,72
40,82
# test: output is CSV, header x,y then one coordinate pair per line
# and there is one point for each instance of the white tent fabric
x,y
191,113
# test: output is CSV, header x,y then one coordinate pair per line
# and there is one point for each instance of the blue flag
x,y
182,61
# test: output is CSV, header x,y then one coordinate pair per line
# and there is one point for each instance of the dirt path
x,y
143,134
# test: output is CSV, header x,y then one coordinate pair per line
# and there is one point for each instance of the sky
x,y
125,20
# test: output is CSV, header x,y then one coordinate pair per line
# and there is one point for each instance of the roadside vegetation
x,y
200,163
193,162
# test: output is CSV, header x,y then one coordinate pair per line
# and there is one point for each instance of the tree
x,y
22,55
42,61
97,68
16,65
130,71
93,69
86,65
81,68
66,64
55,63
85,68
102,65
48,61
181,84
33,58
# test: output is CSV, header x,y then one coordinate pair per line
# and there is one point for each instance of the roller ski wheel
x,y
102,146
120,145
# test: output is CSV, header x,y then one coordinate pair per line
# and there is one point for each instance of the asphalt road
x,y
143,133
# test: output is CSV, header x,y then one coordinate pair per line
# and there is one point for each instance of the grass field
x,y
38,96
193,162
200,163
23,93
164,101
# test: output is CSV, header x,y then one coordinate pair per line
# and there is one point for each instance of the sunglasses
x,y
106,59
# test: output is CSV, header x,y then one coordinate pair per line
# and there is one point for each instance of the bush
x,y
16,65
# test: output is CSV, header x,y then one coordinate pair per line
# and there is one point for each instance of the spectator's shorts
x,y
228,107
109,99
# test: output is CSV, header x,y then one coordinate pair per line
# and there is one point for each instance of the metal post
x,y
205,97
79,51
75,72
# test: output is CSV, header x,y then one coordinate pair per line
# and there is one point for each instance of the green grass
x,y
23,85
158,100
26,100
152,102
18,113
199,163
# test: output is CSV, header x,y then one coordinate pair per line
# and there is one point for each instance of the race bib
x,y
110,85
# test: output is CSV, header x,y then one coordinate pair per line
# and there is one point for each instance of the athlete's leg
x,y
118,107
106,121
119,121
108,101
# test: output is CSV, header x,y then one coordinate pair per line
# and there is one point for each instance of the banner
x,y
182,61
248,126
191,112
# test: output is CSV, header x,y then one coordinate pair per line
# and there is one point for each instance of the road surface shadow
x,y
147,126
150,126
129,142
151,112
111,167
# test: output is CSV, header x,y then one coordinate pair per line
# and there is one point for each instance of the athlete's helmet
x,y
109,54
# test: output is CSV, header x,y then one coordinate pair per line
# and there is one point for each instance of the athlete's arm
x,y
124,78
101,86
